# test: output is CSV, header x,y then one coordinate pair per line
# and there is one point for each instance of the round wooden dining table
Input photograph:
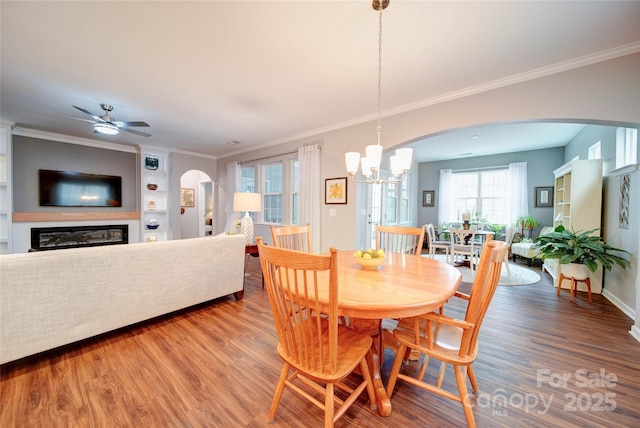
x,y
403,286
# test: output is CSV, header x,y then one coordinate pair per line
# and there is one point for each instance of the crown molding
x,y
51,136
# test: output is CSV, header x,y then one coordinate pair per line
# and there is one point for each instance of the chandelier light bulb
x,y
352,160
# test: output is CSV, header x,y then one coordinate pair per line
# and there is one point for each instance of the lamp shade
x,y
245,201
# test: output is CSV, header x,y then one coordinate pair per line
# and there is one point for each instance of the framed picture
x,y
335,190
428,198
544,197
186,198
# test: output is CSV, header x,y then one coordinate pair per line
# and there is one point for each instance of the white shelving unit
x,y
6,199
155,203
578,206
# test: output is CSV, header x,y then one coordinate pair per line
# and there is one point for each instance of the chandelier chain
x,y
379,128
400,162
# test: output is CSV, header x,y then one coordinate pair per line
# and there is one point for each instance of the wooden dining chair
x,y
400,239
403,240
450,340
317,351
465,246
433,244
292,237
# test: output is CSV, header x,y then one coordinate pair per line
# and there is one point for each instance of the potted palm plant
x,y
578,252
526,222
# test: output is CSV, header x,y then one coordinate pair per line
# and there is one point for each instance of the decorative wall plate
x,y
151,163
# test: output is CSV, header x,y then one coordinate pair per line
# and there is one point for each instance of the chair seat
x,y
446,346
465,249
447,243
352,347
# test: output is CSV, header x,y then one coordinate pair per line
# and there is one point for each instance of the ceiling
x,y
205,74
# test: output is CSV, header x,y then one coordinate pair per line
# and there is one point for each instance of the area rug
x,y
519,275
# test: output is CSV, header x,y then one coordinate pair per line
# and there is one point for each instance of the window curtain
x,y
446,197
310,191
234,174
519,202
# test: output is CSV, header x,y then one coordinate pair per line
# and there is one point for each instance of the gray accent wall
x,y
33,154
540,166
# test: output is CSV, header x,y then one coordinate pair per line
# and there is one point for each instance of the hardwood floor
x,y
215,365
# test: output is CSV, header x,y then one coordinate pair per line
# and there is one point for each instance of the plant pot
x,y
575,270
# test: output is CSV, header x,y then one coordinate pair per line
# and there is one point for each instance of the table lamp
x,y
248,202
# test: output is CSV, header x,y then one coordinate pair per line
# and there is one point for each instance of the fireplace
x,y
56,238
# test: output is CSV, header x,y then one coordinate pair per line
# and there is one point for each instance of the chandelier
x,y
400,162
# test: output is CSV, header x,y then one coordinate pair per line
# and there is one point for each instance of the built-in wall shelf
x,y
155,169
578,207
75,216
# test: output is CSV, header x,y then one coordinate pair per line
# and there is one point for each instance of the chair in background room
x,y
450,340
400,239
292,237
464,246
318,353
435,244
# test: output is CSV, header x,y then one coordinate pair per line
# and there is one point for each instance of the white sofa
x,y
525,249
53,298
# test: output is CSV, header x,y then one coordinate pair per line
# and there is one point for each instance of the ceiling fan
x,y
106,124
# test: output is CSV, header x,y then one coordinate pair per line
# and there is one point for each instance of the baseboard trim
x,y
635,332
629,311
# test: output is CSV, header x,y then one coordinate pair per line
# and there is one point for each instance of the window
x,y
248,183
626,147
482,193
595,151
396,203
272,193
294,191
277,180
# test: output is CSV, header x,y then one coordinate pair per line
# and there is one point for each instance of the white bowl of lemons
x,y
370,258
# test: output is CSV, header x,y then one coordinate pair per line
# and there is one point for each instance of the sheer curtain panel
x,y
519,200
446,197
310,191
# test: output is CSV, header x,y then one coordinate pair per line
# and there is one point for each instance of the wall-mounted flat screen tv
x,y
78,189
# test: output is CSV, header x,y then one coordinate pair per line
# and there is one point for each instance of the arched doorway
x,y
196,205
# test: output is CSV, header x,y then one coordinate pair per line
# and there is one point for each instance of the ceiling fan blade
x,y
133,131
131,124
91,115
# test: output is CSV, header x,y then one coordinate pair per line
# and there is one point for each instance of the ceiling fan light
x,y
106,128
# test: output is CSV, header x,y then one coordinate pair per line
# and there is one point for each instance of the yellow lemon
x,y
380,253
358,253
366,256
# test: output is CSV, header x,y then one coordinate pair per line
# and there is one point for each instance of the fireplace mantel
x,y
75,216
